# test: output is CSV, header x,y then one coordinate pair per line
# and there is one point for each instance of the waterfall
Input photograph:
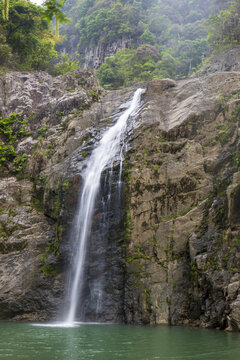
x,y
110,147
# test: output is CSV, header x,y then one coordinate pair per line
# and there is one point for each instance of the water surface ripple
x,y
115,342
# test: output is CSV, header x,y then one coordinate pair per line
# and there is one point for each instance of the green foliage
x,y
26,42
224,28
103,24
49,270
138,254
20,162
67,185
12,129
53,8
66,63
147,62
5,10
84,153
43,131
7,152
168,39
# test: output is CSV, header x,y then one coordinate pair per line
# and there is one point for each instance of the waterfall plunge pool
x,y
115,342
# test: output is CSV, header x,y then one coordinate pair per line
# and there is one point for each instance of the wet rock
x,y
175,258
182,202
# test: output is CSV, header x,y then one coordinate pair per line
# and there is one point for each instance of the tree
x,y
25,41
224,29
53,8
5,10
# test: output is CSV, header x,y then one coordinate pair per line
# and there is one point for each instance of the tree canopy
x,y
176,29
26,41
224,27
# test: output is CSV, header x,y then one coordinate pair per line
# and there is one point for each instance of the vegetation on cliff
x,y
224,32
153,39
156,39
12,130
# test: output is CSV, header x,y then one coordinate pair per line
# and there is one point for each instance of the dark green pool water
x,y
113,342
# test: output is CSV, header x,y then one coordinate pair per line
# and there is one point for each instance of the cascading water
x,y
110,146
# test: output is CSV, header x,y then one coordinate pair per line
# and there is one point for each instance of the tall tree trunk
x,y
56,27
5,10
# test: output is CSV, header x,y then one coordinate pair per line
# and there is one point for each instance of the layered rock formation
x,y
179,260
66,116
31,278
94,57
183,224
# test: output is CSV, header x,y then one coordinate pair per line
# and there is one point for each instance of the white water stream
x,y
110,146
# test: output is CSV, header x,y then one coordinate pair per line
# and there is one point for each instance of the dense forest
x,y
161,39
152,39
26,42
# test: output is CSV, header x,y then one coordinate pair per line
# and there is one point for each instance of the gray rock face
x,y
40,93
24,233
37,211
183,230
172,252
95,57
227,61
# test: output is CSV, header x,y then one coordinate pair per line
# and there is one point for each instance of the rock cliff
x,y
172,254
182,205
94,57
39,187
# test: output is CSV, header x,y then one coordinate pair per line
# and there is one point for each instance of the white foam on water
x,y
65,324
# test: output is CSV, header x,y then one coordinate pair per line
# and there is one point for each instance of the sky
x,y
38,2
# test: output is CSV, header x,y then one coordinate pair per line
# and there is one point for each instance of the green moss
x,y
109,121
7,153
53,247
161,140
138,255
195,273
37,198
182,213
236,158
84,153
235,117
79,112
94,94
12,212
128,226
43,179
4,232
171,255
49,270
67,185
86,138
147,293
58,199
20,163
12,130
43,131
223,138
48,251
7,229
153,240
212,263
70,90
